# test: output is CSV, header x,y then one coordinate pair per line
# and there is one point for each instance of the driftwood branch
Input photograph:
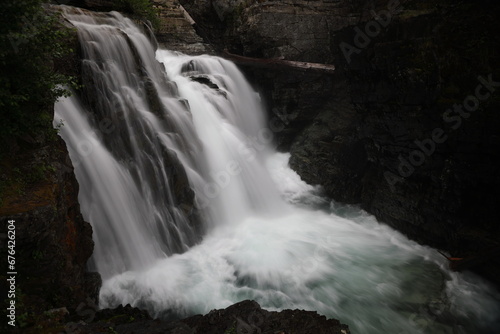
x,y
278,62
478,259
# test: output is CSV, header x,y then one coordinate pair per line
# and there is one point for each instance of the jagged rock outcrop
x,y
52,241
244,317
296,29
176,32
383,130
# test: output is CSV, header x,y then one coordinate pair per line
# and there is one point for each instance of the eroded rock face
x,y
176,31
298,30
394,147
378,132
52,241
244,317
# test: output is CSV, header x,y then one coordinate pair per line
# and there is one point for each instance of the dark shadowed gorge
x,y
405,127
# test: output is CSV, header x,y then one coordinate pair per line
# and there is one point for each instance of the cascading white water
x,y
123,149
268,235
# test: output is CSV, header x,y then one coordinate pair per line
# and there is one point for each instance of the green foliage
x,y
30,40
111,330
142,9
23,319
232,329
32,174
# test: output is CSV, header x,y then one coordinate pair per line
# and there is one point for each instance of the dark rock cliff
x,y
391,128
176,32
39,192
52,241
243,317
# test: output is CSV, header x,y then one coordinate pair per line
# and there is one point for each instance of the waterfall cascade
x,y
193,210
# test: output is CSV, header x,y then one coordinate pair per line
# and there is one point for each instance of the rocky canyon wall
x,y
406,126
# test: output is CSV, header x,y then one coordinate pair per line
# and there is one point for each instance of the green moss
x,y
232,329
117,319
111,330
34,174
23,320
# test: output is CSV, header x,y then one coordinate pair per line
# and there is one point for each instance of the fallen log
x,y
278,62
471,261
187,16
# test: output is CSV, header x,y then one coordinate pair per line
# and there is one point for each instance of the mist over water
x,y
340,262
266,234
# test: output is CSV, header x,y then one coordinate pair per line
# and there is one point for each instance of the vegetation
x,y
142,9
232,329
30,40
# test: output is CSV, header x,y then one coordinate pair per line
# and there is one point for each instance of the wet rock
x,y
244,317
205,80
53,242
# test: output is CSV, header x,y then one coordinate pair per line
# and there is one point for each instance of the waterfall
x,y
123,135
193,210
